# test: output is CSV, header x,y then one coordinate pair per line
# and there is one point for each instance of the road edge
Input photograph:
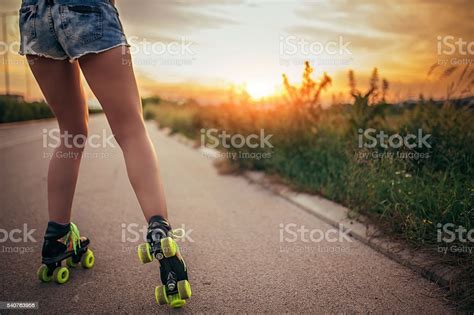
x,y
14,124
339,216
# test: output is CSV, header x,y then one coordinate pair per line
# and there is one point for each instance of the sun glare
x,y
259,89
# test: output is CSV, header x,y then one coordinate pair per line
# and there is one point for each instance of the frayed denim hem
x,y
41,55
97,51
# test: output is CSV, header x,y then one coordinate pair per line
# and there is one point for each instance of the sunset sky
x,y
250,43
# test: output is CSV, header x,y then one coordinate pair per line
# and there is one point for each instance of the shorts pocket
x,y
27,22
81,22
115,14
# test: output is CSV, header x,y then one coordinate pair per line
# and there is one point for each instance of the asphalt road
x,y
242,248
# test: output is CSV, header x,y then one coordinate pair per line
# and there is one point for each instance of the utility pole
x,y
27,81
4,16
5,55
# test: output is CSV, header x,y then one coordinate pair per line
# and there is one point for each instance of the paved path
x,y
236,258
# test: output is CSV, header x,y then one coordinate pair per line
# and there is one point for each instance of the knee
x,y
74,136
131,130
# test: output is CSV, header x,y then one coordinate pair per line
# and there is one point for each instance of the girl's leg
x,y
61,86
111,78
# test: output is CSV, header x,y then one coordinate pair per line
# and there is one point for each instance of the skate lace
x,y
74,238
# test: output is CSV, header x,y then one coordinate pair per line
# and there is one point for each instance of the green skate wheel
x,y
184,289
160,295
88,259
169,247
70,262
43,274
175,301
144,253
61,275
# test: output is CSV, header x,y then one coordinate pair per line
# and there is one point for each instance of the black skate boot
x,y
175,288
63,242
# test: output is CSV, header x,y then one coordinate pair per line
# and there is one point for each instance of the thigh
x,y
60,82
111,78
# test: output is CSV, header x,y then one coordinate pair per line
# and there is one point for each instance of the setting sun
x,y
336,138
259,89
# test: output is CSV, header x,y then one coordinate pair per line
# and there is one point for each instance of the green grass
x,y
317,150
413,194
407,197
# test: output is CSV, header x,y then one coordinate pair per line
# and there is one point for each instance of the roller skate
x,y
63,242
175,288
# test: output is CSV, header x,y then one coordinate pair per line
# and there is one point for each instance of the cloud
x,y
397,21
399,36
166,19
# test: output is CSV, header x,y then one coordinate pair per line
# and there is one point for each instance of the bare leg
x,y
111,78
61,85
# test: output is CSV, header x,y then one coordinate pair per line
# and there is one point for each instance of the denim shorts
x,y
69,29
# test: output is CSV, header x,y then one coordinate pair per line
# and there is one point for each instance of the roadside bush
x,y
410,192
12,110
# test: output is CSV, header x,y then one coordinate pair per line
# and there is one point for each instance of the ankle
x,y
56,230
158,228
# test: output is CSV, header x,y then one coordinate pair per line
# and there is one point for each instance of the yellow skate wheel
x,y
88,259
43,274
169,247
61,275
70,263
160,295
184,289
175,301
144,253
